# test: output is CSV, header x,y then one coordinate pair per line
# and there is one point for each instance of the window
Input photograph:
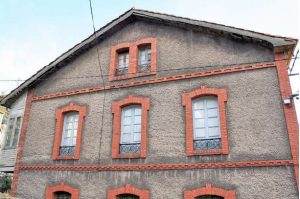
x,y
209,192
127,192
123,62
62,195
69,137
62,191
129,60
206,129
130,127
144,64
206,123
12,133
68,132
128,196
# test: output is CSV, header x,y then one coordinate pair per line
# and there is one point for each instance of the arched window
x,y
209,192
127,192
128,196
68,132
130,127
62,191
62,195
206,128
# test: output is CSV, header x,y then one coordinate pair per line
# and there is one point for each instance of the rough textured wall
x,y
249,183
177,48
256,125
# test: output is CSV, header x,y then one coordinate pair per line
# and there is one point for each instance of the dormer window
x,y
144,64
123,62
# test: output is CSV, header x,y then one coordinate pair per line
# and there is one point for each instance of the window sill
x,y
208,152
66,158
128,156
130,76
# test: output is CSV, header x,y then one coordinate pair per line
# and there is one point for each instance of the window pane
x,y
211,122
199,104
199,123
127,129
136,137
212,112
213,132
137,119
137,111
212,102
17,131
125,138
199,114
127,120
70,129
9,132
127,112
62,195
137,128
199,133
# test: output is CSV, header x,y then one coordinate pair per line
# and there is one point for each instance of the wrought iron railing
x,y
130,148
66,150
207,144
142,68
122,71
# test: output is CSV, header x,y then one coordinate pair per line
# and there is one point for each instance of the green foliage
x,y
5,182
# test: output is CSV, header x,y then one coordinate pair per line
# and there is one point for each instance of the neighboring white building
x,y
10,136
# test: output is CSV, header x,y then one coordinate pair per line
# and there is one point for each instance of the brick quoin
x,y
50,191
127,189
60,113
21,142
117,111
187,102
289,110
209,190
133,59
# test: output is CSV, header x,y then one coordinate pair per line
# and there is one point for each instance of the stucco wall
x,y
256,125
249,183
177,48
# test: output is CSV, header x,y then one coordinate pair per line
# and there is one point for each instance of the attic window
x,y
123,62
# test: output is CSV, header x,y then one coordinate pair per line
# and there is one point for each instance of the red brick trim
x,y
59,128
142,167
209,190
289,110
21,142
156,80
61,187
117,110
187,102
127,189
133,58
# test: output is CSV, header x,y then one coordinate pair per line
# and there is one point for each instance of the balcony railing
x,y
130,148
207,144
66,150
142,68
122,71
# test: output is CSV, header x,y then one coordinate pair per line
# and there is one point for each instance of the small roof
x,y
271,41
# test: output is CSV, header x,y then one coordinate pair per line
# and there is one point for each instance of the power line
x,y
164,70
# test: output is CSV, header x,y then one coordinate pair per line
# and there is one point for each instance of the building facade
x,y
183,109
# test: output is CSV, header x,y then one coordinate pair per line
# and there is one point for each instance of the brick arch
x,y
59,113
117,110
187,103
127,189
211,191
62,187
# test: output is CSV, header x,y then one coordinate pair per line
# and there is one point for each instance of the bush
x,y
5,182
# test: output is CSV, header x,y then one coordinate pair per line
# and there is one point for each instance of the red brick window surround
x,y
134,67
117,107
209,190
61,114
127,189
187,101
52,191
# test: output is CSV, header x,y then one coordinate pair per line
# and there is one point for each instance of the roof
x,y
133,14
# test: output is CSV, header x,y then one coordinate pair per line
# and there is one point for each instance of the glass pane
x,y
17,131
199,123
212,112
198,104
137,137
212,102
199,114
127,120
128,196
137,128
9,132
137,119
214,132
137,111
199,133
125,138
62,195
127,112
212,122
127,128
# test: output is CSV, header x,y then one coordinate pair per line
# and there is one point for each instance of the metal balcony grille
x,y
207,144
122,71
144,67
130,148
66,150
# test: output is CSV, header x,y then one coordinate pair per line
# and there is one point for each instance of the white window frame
x,y
73,135
12,132
206,118
145,51
124,57
132,124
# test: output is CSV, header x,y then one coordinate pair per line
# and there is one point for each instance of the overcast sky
x,y
34,32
